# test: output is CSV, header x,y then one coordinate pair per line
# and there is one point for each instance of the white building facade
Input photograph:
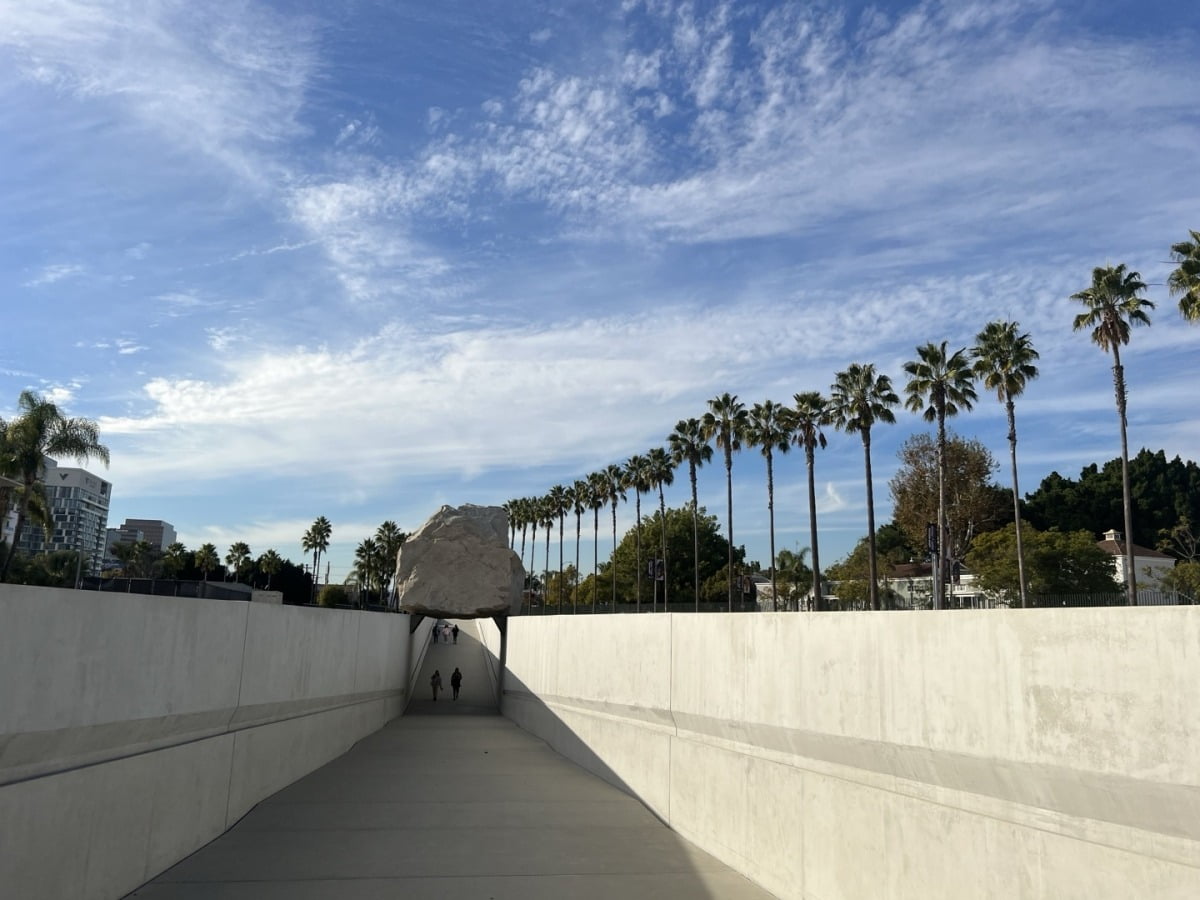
x,y
78,502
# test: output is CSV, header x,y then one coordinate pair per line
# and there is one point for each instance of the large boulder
x,y
458,565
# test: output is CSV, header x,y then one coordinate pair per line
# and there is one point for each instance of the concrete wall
x,y
134,729
999,754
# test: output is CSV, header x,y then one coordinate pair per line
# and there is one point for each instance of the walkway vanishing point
x,y
450,801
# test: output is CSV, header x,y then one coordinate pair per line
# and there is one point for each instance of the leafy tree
x,y
1113,307
811,412
795,577
853,574
973,503
206,559
770,427
688,444
1184,579
939,385
858,399
724,424
333,595
1180,541
1184,281
1004,361
38,431
1056,563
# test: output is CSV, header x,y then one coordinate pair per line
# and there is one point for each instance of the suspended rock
x,y
458,565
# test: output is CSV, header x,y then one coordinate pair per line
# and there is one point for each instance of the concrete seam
x,y
233,744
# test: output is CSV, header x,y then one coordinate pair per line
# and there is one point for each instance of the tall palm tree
x,y
687,442
1184,282
1004,363
939,385
206,560
597,497
269,564
858,398
581,500
389,538
534,520
724,423
521,516
559,504
636,477
366,567
547,512
175,559
509,507
660,470
811,411
615,493
770,427
1113,307
237,557
38,431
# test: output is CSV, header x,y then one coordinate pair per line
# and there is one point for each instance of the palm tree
x,y
661,472
206,560
175,559
858,398
687,442
1113,307
269,564
615,493
41,430
366,567
1184,282
389,538
580,500
1004,362
534,520
237,557
770,427
509,507
322,532
547,512
939,385
811,411
636,477
724,423
597,497
559,504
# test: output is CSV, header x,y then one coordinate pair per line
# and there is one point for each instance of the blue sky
x,y
363,259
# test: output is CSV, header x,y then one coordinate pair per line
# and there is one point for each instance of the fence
x,y
163,587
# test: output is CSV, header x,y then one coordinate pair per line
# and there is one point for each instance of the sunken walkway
x,y
450,801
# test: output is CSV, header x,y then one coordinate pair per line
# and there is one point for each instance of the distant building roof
x,y
1113,545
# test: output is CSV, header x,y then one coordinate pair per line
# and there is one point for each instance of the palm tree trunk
x,y
771,520
695,533
818,602
546,574
1012,452
873,587
1127,496
638,536
20,523
560,564
729,509
595,555
613,562
575,592
939,570
662,511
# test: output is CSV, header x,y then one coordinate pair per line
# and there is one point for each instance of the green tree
x,y
40,430
724,424
795,577
688,444
389,538
1184,580
614,492
366,567
1113,307
1184,281
939,385
207,559
333,595
1004,362
175,560
811,412
973,503
858,398
769,427
237,559
269,564
1057,563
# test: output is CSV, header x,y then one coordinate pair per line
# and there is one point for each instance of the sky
x,y
363,259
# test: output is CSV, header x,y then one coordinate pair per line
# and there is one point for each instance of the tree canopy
x,y
1056,563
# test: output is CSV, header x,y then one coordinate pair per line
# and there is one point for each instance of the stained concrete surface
x,y
450,801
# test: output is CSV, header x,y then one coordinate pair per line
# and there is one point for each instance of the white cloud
x,y
52,273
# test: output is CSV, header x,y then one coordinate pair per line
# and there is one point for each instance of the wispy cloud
x,y
52,273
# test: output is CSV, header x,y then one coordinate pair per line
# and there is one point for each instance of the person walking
x,y
456,681
454,631
437,629
436,683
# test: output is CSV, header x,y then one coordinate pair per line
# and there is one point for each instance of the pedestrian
x,y
436,628
446,632
436,683
456,681
454,631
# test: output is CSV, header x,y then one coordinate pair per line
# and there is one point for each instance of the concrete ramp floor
x,y
457,804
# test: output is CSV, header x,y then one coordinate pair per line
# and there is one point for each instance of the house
x,y
1148,565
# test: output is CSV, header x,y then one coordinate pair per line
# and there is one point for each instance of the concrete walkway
x,y
450,801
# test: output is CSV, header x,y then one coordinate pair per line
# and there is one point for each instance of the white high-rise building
x,y
78,502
